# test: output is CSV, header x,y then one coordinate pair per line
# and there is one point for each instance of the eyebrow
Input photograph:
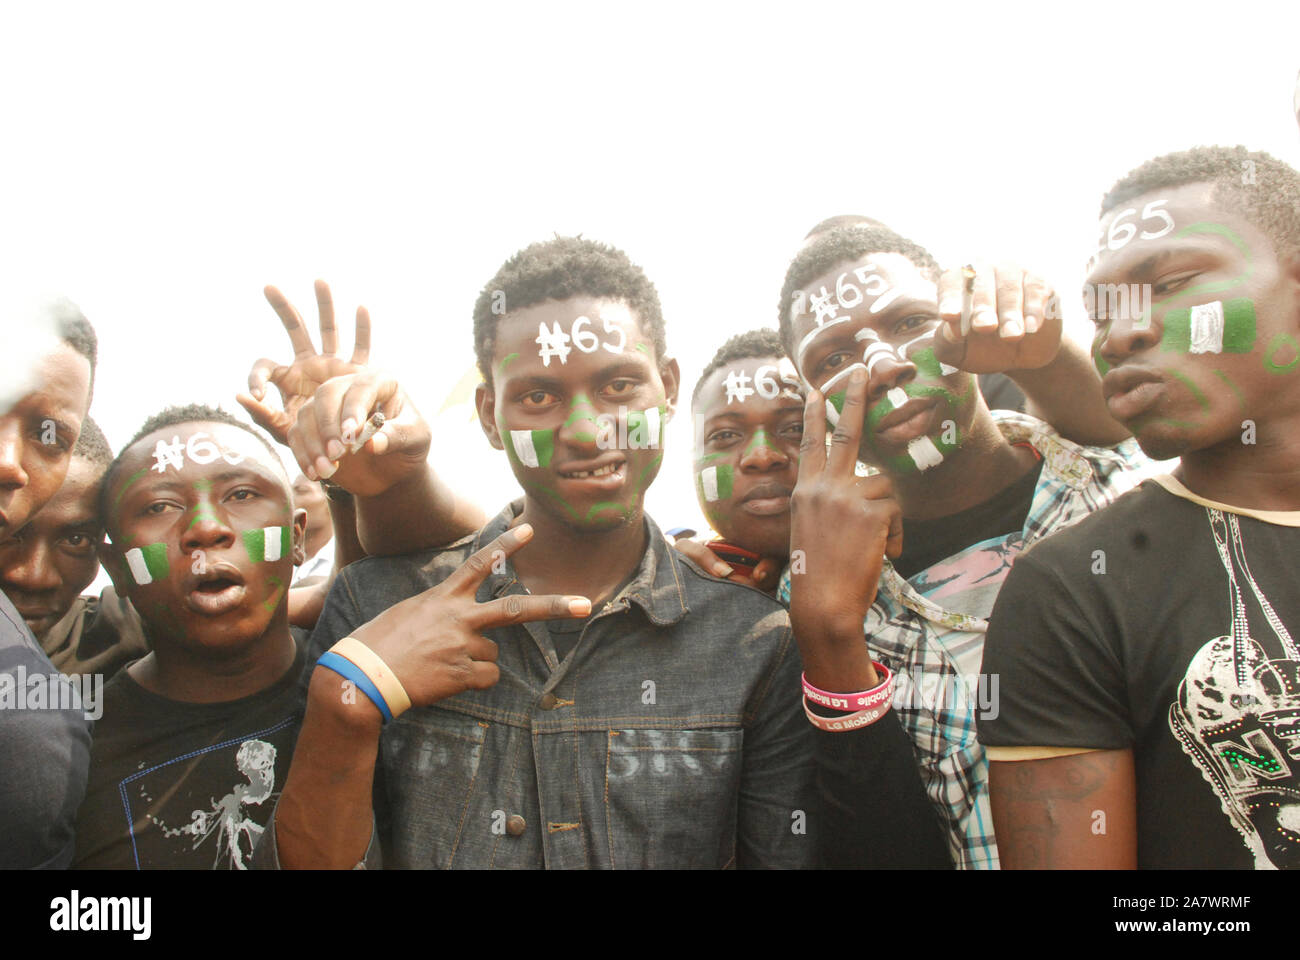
x,y
1148,264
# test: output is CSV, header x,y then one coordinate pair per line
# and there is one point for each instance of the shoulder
x,y
1133,521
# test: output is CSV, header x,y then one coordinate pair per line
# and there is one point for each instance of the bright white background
x,y
162,162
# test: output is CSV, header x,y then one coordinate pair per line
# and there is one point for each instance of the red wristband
x,y
849,721
883,692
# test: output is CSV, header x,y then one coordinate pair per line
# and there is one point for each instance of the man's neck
x,y
178,674
1264,476
978,470
562,560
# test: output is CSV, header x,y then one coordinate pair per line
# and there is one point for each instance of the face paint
x,y
644,429
148,563
1241,401
269,603
533,448
1280,340
506,361
716,482
268,544
1214,327
581,409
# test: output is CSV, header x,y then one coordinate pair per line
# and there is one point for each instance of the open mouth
x,y
216,592
607,470
596,477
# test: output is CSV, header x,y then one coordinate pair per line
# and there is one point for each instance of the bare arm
x,y
1074,812
1067,394
416,513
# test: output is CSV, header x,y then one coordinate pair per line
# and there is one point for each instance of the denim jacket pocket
x,y
435,754
670,797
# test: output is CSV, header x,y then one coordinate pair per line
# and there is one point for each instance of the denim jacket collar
x,y
656,587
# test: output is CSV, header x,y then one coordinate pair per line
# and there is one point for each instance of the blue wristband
x,y
349,670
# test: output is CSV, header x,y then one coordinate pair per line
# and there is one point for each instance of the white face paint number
x,y
198,449
765,384
1120,232
555,342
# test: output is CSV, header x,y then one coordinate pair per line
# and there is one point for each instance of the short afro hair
x,y
556,270
842,220
843,245
1270,199
92,446
173,416
763,342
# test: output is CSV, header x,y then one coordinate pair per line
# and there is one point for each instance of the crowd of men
x,y
952,616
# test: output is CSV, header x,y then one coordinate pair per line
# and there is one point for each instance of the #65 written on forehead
x,y
198,449
554,343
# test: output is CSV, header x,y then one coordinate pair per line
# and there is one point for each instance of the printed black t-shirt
x,y
185,785
1166,626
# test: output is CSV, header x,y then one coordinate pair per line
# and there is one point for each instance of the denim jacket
x,y
672,735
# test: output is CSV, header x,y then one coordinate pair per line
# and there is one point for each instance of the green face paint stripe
x,y
147,563
715,483
544,446
270,602
1241,401
1205,226
126,486
1195,391
267,544
254,544
649,466
760,439
1280,340
1215,286
709,458
643,348
203,485
885,407
203,512
546,491
506,361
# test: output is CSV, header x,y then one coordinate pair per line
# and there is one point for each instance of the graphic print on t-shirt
x,y
230,818
1238,717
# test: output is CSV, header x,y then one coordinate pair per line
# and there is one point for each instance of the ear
x,y
671,375
299,536
110,558
485,401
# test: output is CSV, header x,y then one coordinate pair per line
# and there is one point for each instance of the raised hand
x,y
1015,321
434,643
842,528
299,380
765,576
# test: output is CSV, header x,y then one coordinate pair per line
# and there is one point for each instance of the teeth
x,y
604,471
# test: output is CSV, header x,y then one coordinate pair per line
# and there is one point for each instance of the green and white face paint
x,y
532,448
148,563
268,544
715,482
1214,327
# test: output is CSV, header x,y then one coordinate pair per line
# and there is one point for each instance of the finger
x,y
1009,283
1036,294
848,433
326,404
983,311
875,487
481,648
268,418
361,352
467,577
262,371
329,341
812,446
307,429
894,545
483,675
522,607
703,556
299,452
767,574
367,393
950,283
293,325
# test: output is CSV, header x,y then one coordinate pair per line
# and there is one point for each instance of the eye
x,y
243,493
537,398
794,429
723,437
1170,284
157,507
914,322
620,387
836,360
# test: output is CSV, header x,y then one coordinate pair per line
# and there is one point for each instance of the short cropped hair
x,y
92,446
843,245
557,270
763,342
1262,188
842,220
174,416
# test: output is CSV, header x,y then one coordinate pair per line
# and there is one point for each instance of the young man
x,y
1148,661
49,363
195,737
974,491
652,721
46,564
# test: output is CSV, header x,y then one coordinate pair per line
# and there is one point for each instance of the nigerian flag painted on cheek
x,y
269,543
533,448
148,563
715,482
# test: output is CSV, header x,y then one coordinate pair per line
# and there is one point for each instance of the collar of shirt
x,y
656,587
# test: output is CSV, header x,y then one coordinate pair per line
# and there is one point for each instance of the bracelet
x,y
350,671
850,721
380,673
883,692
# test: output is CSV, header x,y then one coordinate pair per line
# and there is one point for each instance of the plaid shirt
x,y
936,652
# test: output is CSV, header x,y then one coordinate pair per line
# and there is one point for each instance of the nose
x,y
32,570
581,427
886,370
762,454
12,474
207,529
1125,336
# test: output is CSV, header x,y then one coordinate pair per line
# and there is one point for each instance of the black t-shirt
x,y
185,785
1127,631
926,542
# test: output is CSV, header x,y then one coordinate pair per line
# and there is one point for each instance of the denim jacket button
x,y
516,825
549,701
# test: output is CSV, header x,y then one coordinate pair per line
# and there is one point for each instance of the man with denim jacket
x,y
592,699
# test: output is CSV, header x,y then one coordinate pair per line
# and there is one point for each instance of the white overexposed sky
x,y
162,162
